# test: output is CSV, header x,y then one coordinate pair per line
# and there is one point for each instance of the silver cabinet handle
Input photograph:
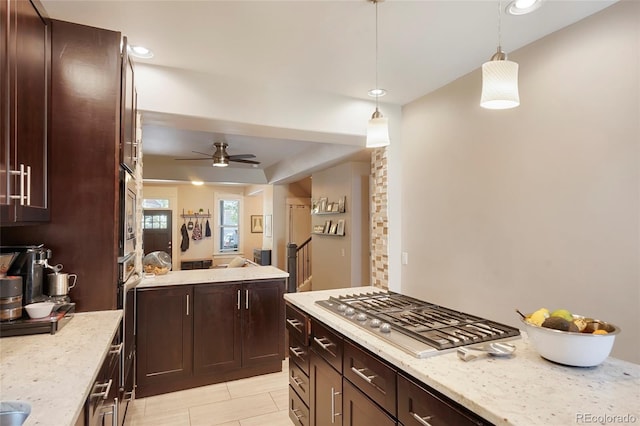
x,y
297,380
422,420
324,343
295,324
296,351
246,299
104,393
187,305
24,199
333,405
116,349
298,415
114,418
359,373
238,299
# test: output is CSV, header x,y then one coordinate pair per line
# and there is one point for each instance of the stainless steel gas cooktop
x,y
417,327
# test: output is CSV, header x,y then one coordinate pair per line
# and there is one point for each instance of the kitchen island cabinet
x,y
214,328
523,389
56,373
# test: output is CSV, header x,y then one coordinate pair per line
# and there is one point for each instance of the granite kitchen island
x,y
220,324
522,390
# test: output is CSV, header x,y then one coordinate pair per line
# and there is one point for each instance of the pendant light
x,y
378,128
499,78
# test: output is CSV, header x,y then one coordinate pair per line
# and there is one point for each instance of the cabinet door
x,y
263,322
24,131
164,335
325,399
359,410
216,334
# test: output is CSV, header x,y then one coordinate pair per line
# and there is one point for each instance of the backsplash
x,y
379,219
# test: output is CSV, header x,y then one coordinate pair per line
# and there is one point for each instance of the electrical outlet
x,y
342,252
405,258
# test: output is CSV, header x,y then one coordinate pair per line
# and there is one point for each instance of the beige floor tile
x,y
186,399
280,418
234,409
258,384
281,398
136,408
174,418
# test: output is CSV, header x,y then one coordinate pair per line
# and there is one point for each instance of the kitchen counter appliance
x,y
420,328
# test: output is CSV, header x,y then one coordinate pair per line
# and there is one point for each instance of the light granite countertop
x,y
55,373
199,276
523,389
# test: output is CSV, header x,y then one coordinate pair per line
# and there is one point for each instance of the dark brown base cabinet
x,y
334,381
195,335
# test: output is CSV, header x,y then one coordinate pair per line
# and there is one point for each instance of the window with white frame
x,y
229,209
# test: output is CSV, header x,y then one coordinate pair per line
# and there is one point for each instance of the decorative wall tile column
x,y
379,219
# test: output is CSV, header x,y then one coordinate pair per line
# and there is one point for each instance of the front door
x,y
156,234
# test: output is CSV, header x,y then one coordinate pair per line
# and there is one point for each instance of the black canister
x,y
10,298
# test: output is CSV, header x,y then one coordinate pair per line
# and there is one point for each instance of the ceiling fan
x,y
221,158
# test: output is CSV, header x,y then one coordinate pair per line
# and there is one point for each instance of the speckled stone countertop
x,y
198,276
55,373
523,389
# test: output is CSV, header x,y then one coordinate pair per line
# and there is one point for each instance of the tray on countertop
x,y
61,315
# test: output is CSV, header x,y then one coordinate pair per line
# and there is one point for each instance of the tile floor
x,y
256,401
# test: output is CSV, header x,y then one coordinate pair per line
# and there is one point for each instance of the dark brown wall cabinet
x,y
83,160
334,381
25,52
195,335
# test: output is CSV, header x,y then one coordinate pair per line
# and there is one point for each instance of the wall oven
x,y
127,214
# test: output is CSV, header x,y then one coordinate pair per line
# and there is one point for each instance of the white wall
x,y
539,205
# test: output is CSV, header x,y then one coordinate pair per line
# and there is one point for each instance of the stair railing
x,y
298,264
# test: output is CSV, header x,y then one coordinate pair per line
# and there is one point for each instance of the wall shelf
x,y
324,206
326,234
195,215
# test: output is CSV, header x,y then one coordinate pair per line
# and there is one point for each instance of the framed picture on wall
x,y
340,228
322,207
341,202
256,224
333,229
327,226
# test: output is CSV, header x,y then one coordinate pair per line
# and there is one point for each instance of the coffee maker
x,y
29,263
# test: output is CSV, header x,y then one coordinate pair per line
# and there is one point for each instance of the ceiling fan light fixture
x,y
220,162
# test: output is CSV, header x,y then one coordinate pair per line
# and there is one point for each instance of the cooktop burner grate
x,y
421,328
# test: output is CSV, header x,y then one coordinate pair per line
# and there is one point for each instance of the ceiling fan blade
x,y
207,158
202,153
239,160
241,156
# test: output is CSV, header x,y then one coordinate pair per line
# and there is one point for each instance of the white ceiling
x,y
323,46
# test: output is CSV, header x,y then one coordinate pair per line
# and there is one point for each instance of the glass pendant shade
x,y
378,131
499,85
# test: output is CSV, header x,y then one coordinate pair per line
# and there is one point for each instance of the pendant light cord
x,y
499,25
377,88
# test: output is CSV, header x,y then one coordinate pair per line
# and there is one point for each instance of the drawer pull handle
x,y
359,373
295,324
324,343
333,405
422,420
116,349
297,380
297,414
103,394
296,351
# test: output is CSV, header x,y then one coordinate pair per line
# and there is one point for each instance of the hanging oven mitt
x,y
184,246
197,231
207,229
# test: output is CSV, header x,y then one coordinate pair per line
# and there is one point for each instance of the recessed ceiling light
x,y
522,7
197,182
377,92
140,52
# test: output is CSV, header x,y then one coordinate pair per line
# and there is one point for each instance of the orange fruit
x,y
600,332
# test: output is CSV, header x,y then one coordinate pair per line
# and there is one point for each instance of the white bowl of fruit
x,y
568,339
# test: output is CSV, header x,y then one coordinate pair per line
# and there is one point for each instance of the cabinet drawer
x,y
299,381
418,406
299,353
298,412
327,344
371,376
360,410
298,324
